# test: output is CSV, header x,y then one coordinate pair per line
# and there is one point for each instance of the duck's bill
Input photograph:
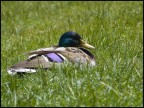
x,y
86,45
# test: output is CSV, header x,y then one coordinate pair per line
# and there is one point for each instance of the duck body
x,y
70,49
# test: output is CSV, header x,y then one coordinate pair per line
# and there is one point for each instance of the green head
x,y
72,39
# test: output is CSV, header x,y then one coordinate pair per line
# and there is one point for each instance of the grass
x,y
114,28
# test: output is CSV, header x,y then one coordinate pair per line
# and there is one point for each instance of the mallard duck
x,y
71,48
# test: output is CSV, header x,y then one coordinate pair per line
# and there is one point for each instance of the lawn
x,y
114,28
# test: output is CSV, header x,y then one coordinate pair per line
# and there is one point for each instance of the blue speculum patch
x,y
53,57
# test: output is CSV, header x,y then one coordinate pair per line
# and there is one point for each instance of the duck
x,y
71,48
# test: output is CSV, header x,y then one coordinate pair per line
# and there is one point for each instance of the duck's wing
x,y
43,58
46,57
73,54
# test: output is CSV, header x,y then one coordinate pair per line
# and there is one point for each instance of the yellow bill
x,y
86,45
